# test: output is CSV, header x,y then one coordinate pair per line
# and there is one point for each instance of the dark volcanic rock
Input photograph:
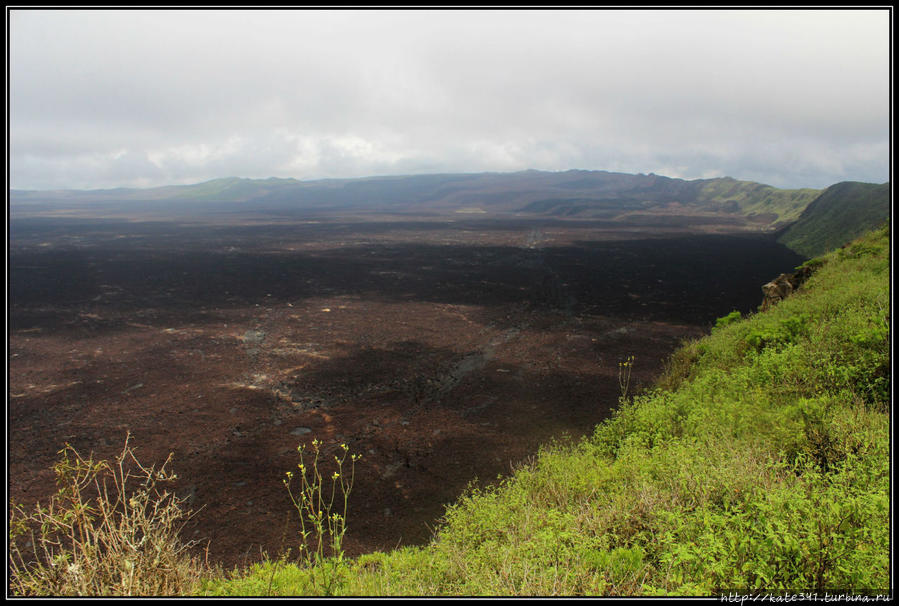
x,y
783,286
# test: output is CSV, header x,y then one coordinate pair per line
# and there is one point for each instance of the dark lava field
x,y
445,350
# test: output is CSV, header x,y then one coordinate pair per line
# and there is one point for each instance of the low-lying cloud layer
x,y
145,98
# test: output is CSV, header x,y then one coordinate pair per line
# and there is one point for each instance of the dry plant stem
x,y
624,375
94,538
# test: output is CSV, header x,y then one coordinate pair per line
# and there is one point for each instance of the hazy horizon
x,y
102,99
365,177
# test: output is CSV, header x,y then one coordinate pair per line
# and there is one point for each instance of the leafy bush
x,y
812,264
727,320
787,331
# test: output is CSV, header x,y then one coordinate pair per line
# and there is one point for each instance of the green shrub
x,y
787,331
727,320
812,264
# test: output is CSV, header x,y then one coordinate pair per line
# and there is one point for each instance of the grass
x,y
760,463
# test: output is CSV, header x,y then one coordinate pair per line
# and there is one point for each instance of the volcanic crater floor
x,y
442,355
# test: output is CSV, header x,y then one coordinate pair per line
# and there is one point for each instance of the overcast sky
x,y
142,98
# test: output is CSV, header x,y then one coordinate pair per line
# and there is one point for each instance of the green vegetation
x,y
763,205
322,526
760,463
727,320
842,213
769,205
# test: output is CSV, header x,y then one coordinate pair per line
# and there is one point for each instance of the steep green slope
x,y
843,212
762,202
760,463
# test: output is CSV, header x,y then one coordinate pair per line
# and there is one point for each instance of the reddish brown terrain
x,y
442,349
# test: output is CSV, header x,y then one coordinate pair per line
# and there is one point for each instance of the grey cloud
x,y
105,98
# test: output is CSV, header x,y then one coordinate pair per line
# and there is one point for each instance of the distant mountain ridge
x,y
809,221
574,193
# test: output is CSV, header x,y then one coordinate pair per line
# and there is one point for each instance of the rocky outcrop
x,y
783,286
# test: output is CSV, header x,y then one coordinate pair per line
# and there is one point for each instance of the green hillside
x,y
610,194
761,202
843,212
760,463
